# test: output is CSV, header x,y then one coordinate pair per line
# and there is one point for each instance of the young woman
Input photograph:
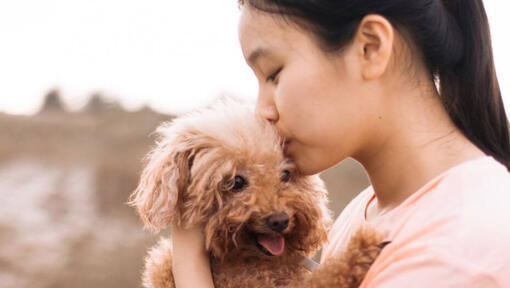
x,y
408,89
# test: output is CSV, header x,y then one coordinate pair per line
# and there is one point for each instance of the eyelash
x,y
273,76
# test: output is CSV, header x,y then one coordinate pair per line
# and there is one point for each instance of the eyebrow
x,y
257,53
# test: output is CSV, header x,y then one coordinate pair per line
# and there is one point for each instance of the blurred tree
x,y
98,104
52,102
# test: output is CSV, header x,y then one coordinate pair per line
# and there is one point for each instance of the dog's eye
x,y
239,183
285,176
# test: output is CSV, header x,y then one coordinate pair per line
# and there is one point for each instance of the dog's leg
x,y
158,266
349,269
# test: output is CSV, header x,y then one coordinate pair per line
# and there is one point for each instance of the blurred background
x,y
83,85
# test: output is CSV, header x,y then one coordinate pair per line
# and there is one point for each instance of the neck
x,y
415,142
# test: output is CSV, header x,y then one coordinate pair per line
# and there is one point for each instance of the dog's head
x,y
224,169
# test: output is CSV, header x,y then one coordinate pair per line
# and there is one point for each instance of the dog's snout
x,y
278,221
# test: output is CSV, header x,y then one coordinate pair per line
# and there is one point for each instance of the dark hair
x,y
454,39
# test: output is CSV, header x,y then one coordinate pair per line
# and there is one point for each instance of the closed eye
x,y
272,77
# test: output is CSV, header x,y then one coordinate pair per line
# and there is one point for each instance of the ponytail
x,y
470,91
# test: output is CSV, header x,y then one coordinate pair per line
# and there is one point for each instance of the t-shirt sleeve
x,y
419,266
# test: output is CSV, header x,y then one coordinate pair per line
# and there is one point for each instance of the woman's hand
x,y
191,266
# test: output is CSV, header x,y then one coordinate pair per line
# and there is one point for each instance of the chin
x,y
310,162
307,164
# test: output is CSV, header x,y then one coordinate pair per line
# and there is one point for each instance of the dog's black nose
x,y
278,221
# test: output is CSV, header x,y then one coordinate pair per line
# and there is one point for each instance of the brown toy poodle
x,y
225,169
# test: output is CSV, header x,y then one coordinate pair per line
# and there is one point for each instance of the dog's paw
x,y
158,266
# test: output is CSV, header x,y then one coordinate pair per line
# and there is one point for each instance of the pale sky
x,y
171,55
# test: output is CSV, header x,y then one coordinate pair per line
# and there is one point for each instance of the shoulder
x,y
460,227
468,208
484,214
477,193
481,174
478,190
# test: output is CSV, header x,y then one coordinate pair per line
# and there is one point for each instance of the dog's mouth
x,y
270,244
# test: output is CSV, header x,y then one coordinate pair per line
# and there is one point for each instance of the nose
x,y
278,221
266,108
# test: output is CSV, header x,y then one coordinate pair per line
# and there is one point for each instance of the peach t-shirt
x,y
452,232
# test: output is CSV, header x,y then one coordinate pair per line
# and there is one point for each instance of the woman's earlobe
x,y
375,37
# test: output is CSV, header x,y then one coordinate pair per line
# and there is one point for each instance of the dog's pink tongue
x,y
275,244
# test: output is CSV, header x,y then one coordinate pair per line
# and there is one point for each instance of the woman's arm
x,y
191,267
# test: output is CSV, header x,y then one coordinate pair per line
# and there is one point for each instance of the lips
x,y
286,146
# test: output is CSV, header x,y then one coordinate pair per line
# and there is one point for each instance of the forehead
x,y
261,31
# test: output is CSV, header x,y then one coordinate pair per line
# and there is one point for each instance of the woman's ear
x,y
164,179
374,42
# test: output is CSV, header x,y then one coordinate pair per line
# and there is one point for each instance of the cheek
x,y
301,100
320,116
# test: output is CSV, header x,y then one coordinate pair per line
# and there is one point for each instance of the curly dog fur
x,y
225,169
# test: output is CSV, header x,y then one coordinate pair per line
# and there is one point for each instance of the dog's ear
x,y
163,181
